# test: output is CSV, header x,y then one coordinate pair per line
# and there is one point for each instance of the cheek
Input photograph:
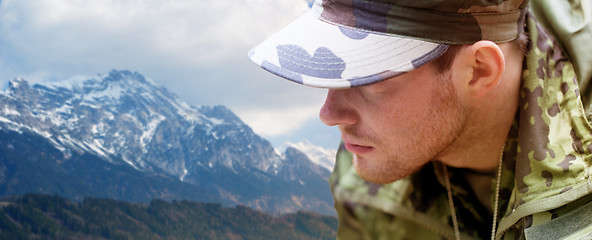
x,y
409,125
405,118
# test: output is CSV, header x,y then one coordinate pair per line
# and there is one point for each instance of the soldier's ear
x,y
484,65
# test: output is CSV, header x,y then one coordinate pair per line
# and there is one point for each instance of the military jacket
x,y
546,183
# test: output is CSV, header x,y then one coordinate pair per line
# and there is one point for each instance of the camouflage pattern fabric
x,y
571,23
359,59
450,21
546,178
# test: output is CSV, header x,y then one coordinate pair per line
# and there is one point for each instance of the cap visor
x,y
317,53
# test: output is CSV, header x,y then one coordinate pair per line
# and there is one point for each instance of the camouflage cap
x,y
348,43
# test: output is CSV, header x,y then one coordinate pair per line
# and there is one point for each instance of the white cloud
x,y
274,122
196,48
184,31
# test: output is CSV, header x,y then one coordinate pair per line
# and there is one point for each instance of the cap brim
x,y
316,53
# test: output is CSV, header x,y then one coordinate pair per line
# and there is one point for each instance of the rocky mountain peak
x,y
127,119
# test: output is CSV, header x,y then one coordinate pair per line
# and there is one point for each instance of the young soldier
x,y
459,119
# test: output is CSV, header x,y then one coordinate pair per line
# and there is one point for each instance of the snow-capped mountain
x,y
126,115
127,120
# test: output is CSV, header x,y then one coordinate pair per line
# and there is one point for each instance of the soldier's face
x,y
396,126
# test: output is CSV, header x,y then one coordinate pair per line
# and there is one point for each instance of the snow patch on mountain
x,y
324,157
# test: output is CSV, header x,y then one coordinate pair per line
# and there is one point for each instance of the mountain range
x,y
124,136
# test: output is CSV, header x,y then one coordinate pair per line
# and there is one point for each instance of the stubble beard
x,y
429,143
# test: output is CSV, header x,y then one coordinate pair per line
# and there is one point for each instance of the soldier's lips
x,y
358,149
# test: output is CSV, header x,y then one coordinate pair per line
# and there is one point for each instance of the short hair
x,y
443,63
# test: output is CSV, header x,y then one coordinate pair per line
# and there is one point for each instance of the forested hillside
x,y
54,217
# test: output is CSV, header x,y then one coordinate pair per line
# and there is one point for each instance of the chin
x,y
376,174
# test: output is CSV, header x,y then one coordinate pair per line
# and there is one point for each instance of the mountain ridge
x,y
126,119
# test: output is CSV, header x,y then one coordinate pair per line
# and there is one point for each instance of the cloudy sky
x,y
196,48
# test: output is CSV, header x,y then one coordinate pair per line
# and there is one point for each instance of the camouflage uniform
x,y
546,181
